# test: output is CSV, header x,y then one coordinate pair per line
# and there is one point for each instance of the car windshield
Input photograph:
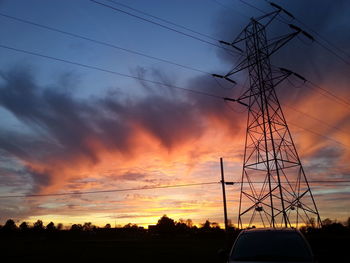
x,y
279,246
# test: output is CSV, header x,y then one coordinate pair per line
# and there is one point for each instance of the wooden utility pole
x,y
223,192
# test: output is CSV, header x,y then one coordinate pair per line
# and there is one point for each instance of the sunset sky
x,y
69,128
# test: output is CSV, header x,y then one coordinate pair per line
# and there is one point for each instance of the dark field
x,y
112,250
139,246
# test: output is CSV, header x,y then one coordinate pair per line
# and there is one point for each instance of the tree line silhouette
x,y
165,226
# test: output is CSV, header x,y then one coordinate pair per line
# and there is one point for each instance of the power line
x,y
321,121
229,7
253,6
109,71
99,42
319,90
346,61
320,135
109,191
140,53
163,20
316,86
316,119
333,52
324,93
163,26
330,93
321,37
153,187
318,42
260,10
311,131
324,39
141,79
327,181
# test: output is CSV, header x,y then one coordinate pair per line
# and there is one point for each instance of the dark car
x,y
271,245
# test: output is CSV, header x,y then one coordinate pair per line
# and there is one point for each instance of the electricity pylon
x,y
274,189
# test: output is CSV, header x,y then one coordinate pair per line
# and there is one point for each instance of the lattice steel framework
x,y
274,190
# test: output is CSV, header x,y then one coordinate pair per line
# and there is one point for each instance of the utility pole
x,y
223,193
274,188
223,184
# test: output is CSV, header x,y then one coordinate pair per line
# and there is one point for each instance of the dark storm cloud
x,y
67,130
63,118
330,22
328,18
13,177
174,116
40,179
170,121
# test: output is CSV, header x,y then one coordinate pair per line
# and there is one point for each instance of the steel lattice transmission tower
x,y
274,189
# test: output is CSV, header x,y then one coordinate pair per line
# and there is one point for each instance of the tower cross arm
x,y
280,42
277,79
268,50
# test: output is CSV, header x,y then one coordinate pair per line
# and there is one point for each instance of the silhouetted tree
x,y
181,227
334,226
23,226
165,225
108,226
9,226
206,225
38,225
76,228
50,227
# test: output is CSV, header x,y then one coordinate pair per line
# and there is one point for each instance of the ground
x,y
143,247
